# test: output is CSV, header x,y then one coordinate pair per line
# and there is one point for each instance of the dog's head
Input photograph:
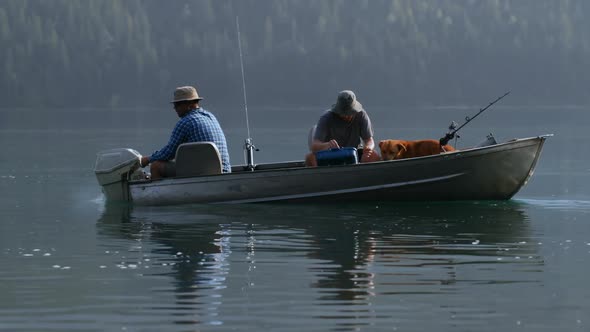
x,y
392,148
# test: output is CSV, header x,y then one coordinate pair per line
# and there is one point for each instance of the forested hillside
x,y
102,53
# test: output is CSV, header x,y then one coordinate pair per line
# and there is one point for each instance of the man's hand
x,y
318,145
369,156
145,160
332,144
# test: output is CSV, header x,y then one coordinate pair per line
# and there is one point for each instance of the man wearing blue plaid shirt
x,y
195,125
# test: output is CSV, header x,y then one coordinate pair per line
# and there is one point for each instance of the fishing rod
x,y
249,147
453,127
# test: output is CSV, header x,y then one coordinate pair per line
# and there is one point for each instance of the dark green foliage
x,y
133,53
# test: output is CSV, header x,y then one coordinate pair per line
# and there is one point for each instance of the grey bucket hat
x,y
185,93
346,104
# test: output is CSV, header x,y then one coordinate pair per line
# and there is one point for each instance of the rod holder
x,y
249,149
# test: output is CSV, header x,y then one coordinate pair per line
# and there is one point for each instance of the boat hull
x,y
488,173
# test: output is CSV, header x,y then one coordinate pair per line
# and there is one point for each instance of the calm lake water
x,y
69,262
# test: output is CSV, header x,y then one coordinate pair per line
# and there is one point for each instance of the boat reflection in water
x,y
341,257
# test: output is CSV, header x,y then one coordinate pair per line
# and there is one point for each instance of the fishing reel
x,y
453,126
452,133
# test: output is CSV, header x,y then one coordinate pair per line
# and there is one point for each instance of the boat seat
x,y
197,158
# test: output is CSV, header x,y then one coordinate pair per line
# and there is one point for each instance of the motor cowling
x,y
114,168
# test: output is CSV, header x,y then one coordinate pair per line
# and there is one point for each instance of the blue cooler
x,y
342,156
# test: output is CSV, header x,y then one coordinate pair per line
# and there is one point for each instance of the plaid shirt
x,y
198,125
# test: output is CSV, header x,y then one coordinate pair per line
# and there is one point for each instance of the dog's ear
x,y
381,143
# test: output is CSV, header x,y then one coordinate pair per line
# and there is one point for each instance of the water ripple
x,y
559,204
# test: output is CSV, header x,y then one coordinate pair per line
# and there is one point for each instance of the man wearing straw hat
x,y
195,125
345,124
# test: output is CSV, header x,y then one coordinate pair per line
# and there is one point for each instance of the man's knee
x,y
310,160
163,169
370,156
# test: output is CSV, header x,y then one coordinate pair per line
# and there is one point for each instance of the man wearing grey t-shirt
x,y
345,124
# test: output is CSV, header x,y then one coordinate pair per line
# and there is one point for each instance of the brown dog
x,y
399,149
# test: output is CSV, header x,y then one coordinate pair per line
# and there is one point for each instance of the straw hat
x,y
185,93
346,104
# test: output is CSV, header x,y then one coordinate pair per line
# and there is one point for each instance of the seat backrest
x,y
197,158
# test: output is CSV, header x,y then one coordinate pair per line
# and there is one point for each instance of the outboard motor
x,y
114,169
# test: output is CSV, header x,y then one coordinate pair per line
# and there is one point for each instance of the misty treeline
x,y
103,53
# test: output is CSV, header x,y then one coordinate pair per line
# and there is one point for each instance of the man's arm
x,y
321,140
318,145
168,151
369,154
369,143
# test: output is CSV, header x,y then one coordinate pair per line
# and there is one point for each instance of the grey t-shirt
x,y
347,134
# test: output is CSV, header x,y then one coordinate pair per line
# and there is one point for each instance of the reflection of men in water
x,y
193,251
351,249
410,237
354,253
